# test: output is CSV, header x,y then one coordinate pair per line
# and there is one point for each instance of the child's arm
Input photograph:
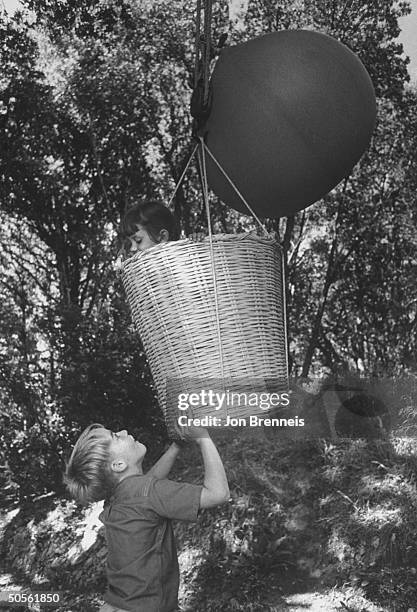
x,y
163,466
215,487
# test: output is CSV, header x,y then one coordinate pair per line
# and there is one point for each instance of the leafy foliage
x,y
94,116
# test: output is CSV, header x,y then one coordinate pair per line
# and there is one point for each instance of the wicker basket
x,y
171,292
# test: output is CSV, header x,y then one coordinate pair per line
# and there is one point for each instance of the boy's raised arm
x,y
163,466
215,488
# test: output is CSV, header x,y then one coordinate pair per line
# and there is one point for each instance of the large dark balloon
x,y
292,113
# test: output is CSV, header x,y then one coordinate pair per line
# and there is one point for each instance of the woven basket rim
x,y
192,244
171,292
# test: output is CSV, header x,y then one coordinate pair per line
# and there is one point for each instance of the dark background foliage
x,y
94,116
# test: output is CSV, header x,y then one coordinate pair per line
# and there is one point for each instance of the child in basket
x,y
142,564
146,225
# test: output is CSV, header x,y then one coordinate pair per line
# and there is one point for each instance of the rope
x,y
207,49
197,44
201,96
204,185
284,313
201,75
179,183
234,187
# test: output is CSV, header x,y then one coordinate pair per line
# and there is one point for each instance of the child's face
x,y
123,447
142,241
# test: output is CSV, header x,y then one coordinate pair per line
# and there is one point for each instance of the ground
x,y
311,526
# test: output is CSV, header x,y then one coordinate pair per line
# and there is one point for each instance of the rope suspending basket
x,y
210,314
202,329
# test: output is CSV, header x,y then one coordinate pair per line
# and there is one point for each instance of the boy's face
x,y
125,452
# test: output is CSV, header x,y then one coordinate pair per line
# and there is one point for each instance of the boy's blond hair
x,y
88,475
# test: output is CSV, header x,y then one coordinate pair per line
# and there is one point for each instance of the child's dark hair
x,y
154,217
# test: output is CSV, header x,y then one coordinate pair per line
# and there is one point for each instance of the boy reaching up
x,y
142,564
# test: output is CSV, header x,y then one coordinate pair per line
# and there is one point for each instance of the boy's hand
x,y
195,433
187,434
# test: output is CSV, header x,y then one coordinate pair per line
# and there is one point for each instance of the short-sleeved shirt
x,y
142,563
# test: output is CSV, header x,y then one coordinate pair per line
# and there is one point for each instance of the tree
x,y
93,116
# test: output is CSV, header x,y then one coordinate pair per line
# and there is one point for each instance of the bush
x,y
33,456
